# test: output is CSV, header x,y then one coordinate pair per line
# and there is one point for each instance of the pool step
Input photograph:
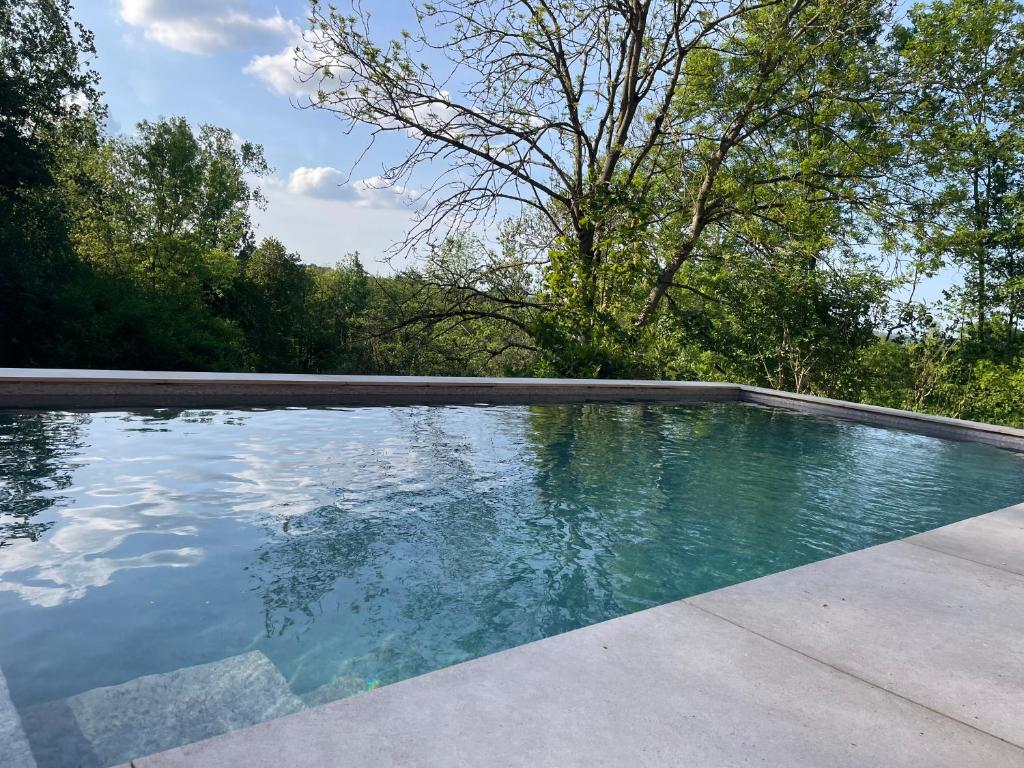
x,y
14,748
341,687
112,725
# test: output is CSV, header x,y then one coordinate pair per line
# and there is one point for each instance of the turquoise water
x,y
357,547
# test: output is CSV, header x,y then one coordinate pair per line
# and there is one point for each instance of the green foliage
x,y
336,303
270,300
940,376
48,100
995,393
45,83
967,136
168,209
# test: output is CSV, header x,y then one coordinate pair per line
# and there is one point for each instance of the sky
x,y
230,63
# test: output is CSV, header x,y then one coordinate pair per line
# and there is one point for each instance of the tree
x,y
45,80
787,326
967,57
48,104
169,208
469,309
272,305
158,224
336,301
615,125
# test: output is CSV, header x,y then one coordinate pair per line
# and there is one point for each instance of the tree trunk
x,y
979,227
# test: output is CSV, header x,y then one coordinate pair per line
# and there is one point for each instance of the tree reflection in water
x,y
34,469
462,542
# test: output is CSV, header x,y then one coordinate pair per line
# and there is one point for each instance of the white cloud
x,y
78,100
324,182
291,74
327,183
204,26
279,72
435,115
322,217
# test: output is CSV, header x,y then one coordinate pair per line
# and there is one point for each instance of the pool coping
x,y
74,389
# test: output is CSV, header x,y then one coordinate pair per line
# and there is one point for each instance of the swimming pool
x,y
168,575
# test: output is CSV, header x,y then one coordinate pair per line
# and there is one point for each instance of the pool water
x,y
352,548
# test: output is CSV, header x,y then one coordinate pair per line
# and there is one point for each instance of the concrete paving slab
x,y
986,540
1013,515
115,724
937,629
14,747
667,686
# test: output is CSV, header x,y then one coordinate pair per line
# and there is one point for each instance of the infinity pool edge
x,y
72,389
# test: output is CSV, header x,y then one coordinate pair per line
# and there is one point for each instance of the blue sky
x,y
229,63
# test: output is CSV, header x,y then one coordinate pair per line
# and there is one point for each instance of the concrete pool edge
x,y
903,654
875,415
28,388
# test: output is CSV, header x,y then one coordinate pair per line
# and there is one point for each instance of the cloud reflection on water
x,y
104,478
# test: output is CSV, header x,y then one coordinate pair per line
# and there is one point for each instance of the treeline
x,y
138,252
764,220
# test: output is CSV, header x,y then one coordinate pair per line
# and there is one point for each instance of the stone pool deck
x,y
906,654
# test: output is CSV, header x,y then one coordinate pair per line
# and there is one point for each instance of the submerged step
x,y
14,748
341,687
112,725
